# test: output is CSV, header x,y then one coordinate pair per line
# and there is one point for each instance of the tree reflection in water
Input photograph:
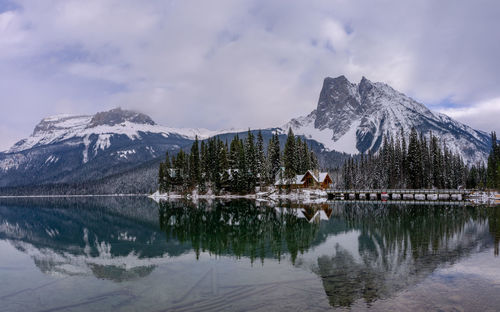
x,y
360,252
494,222
398,246
238,228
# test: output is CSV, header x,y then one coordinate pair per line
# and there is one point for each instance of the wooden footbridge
x,y
398,194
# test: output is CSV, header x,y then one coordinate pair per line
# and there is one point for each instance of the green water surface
x,y
133,254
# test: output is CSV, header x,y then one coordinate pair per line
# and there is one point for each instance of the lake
x,y
133,254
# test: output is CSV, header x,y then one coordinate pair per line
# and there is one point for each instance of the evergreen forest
x,y
237,166
421,163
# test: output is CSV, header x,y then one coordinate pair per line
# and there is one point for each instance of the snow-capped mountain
x,y
67,148
353,118
349,118
103,125
73,149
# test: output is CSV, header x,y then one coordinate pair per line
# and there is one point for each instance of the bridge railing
x,y
400,191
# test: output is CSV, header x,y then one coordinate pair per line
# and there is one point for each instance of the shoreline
x,y
303,195
73,195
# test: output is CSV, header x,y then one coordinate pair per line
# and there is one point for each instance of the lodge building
x,y
311,180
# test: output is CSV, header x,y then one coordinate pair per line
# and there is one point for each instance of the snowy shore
x,y
309,195
485,197
301,195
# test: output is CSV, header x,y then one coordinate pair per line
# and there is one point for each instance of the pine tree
x,y
242,183
414,166
404,158
180,165
261,159
224,162
203,162
289,156
307,158
167,179
472,178
385,167
251,160
435,154
224,165
217,167
161,177
314,161
424,163
298,154
493,171
446,167
233,153
274,157
194,163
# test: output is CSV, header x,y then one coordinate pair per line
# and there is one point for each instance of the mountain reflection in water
x,y
358,251
397,246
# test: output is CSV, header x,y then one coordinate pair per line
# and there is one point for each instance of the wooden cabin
x,y
294,183
312,180
317,180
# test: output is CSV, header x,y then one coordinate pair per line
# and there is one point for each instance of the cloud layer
x,y
221,64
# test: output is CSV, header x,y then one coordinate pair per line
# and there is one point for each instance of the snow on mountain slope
x,y
69,149
350,118
353,118
63,127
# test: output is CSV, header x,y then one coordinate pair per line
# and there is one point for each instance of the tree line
x,y
236,167
423,162
493,171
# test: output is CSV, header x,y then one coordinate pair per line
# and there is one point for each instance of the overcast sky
x,y
223,64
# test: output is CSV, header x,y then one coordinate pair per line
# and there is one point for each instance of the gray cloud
x,y
221,64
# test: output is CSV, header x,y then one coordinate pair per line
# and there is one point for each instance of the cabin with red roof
x,y
316,180
311,179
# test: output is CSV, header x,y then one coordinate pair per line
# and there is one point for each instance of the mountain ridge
x,y
353,118
59,128
349,118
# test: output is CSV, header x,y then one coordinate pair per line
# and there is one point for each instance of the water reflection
x,y
396,246
240,228
494,223
111,238
358,252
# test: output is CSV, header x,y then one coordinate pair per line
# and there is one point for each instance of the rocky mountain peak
x,y
337,95
53,123
365,86
354,118
117,116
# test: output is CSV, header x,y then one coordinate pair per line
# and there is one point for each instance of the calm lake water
x,y
132,254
